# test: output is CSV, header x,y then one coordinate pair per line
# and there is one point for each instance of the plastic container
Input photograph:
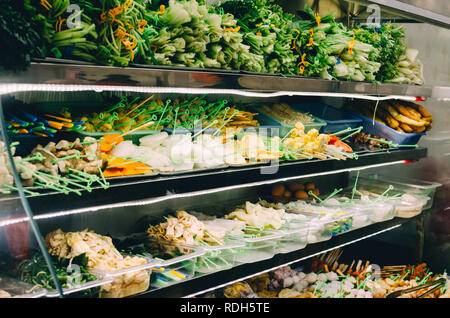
x,y
404,205
285,128
408,206
402,185
14,288
176,262
78,109
258,248
128,281
359,211
335,119
268,127
101,281
220,257
378,129
295,236
323,223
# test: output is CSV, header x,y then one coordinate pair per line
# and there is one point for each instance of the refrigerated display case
x,y
118,210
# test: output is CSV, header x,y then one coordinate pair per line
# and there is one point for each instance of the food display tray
x,y
219,257
335,119
377,129
286,129
19,289
258,248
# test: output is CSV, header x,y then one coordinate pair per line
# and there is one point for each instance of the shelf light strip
x,y
190,194
291,262
16,88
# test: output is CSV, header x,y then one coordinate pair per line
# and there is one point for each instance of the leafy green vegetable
x,y
388,39
19,39
35,271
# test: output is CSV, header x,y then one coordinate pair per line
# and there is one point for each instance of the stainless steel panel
x,y
52,73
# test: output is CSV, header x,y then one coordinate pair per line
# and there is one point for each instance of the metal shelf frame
x,y
49,76
166,187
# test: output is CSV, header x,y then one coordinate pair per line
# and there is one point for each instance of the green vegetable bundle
x,y
388,39
329,50
188,33
70,272
19,39
268,32
68,33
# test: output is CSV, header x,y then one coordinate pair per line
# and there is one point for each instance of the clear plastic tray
x,y
176,262
324,223
359,211
295,236
285,128
220,257
101,281
405,206
127,281
18,289
258,248
401,185
405,209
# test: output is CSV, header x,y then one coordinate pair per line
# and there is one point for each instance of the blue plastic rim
x,y
336,119
378,129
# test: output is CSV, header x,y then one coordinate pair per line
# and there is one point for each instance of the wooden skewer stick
x,y
137,128
146,100
358,266
365,266
351,266
335,265
344,268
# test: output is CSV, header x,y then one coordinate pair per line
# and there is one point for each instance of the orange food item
x,y
287,194
108,142
278,190
123,167
301,194
309,186
316,192
294,186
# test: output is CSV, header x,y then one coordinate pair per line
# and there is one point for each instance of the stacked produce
x,y
399,64
20,39
405,117
330,50
249,35
267,30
